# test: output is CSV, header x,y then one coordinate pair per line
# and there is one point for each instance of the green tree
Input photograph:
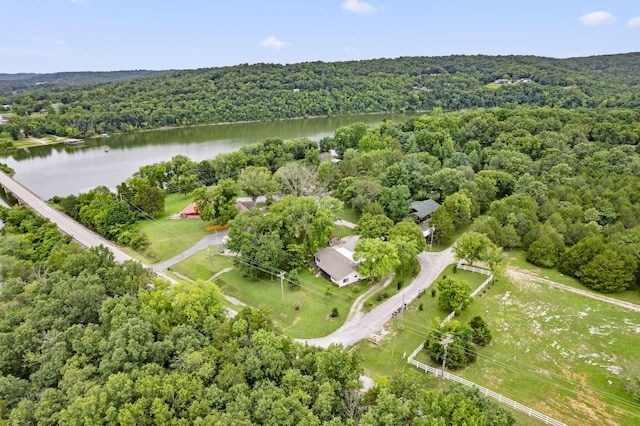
x,y
256,181
396,201
471,246
481,332
458,207
374,226
411,231
610,271
546,250
378,258
460,351
453,294
217,203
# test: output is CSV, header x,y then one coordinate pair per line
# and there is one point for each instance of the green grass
x,y
170,237
305,313
552,350
198,266
392,289
350,215
518,259
408,331
445,244
343,231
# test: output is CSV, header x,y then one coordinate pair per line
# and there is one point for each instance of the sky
x,y
44,36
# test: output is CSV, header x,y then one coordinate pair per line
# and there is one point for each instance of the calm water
x,y
62,170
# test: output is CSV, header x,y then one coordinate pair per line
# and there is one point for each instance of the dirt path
x,y
523,276
356,308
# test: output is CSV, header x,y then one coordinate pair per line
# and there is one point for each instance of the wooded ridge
x,y
272,91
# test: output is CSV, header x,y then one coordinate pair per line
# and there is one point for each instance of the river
x,y
61,170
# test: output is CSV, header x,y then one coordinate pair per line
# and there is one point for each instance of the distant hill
x,y
12,77
104,103
29,81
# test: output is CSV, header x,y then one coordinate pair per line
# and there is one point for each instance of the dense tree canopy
x,y
88,340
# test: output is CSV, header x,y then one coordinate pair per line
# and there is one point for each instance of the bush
x,y
460,352
481,333
334,313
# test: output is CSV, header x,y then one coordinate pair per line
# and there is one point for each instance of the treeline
x,y
270,91
87,340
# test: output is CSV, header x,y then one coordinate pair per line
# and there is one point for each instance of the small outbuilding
x,y
190,212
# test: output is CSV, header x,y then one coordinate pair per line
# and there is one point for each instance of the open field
x,y
518,259
552,350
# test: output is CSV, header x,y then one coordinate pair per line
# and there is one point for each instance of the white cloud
x,y
357,6
597,18
273,43
634,23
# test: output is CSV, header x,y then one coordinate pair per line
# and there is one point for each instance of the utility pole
x,y
402,313
282,286
210,259
446,342
433,229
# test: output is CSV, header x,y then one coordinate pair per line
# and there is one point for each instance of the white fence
x,y
473,269
476,291
500,398
446,375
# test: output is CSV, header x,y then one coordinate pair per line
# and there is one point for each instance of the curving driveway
x,y
363,325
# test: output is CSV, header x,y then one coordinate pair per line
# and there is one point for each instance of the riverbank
x,y
31,142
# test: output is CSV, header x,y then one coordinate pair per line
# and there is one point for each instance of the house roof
x,y
338,261
189,210
245,206
424,208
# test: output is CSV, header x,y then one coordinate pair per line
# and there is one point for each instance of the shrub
x,y
334,313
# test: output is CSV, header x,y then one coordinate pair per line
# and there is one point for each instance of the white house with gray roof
x,y
336,263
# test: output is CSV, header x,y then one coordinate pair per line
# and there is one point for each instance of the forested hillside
x,y
271,91
28,82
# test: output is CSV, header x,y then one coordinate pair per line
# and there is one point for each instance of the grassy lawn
x,y
170,237
445,244
554,351
392,289
305,313
407,332
518,259
343,231
198,266
350,215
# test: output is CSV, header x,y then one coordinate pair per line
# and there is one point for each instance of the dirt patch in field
x,y
585,406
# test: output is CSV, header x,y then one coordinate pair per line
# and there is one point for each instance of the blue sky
x,y
103,35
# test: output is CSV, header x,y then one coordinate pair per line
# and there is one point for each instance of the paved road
x,y
66,224
206,241
363,325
